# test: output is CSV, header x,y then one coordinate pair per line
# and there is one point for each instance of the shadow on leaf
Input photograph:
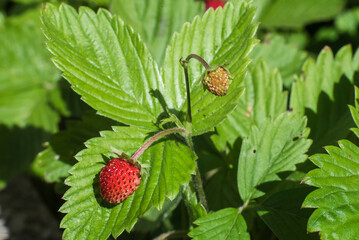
x,y
332,120
18,148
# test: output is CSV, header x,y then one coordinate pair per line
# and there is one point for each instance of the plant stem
x,y
184,64
197,178
172,234
244,206
200,190
195,56
155,138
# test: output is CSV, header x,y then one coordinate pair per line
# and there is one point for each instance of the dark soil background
x,y
24,214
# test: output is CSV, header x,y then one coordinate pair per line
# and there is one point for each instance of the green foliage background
x,y
288,100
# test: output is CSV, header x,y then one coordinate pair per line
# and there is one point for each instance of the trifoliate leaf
x,y
337,199
224,224
274,146
322,92
221,37
157,20
264,97
106,63
89,216
119,78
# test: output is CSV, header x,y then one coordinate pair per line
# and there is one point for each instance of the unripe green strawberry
x,y
118,180
217,81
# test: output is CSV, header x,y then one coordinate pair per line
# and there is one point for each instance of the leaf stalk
x,y
156,137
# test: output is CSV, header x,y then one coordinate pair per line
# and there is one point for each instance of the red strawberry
x,y
119,179
214,4
217,81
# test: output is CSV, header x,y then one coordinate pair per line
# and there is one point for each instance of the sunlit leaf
x,y
264,97
337,199
322,92
157,20
274,146
224,224
221,37
89,216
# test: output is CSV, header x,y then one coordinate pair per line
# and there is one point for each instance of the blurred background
x,y
43,123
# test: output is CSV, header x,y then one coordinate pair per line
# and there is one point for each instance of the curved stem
x,y
155,138
201,60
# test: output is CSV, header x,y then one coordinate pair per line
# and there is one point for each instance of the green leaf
x,y
354,112
281,54
322,92
50,167
157,20
220,191
113,77
28,1
225,224
18,148
348,21
336,200
153,218
220,37
297,13
218,170
321,76
274,146
283,214
264,97
71,104
89,216
55,161
25,87
27,78
194,208
106,63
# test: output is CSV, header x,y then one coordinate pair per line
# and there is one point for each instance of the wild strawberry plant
x,y
205,125
111,68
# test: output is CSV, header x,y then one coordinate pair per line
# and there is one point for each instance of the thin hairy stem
x,y
155,138
197,178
